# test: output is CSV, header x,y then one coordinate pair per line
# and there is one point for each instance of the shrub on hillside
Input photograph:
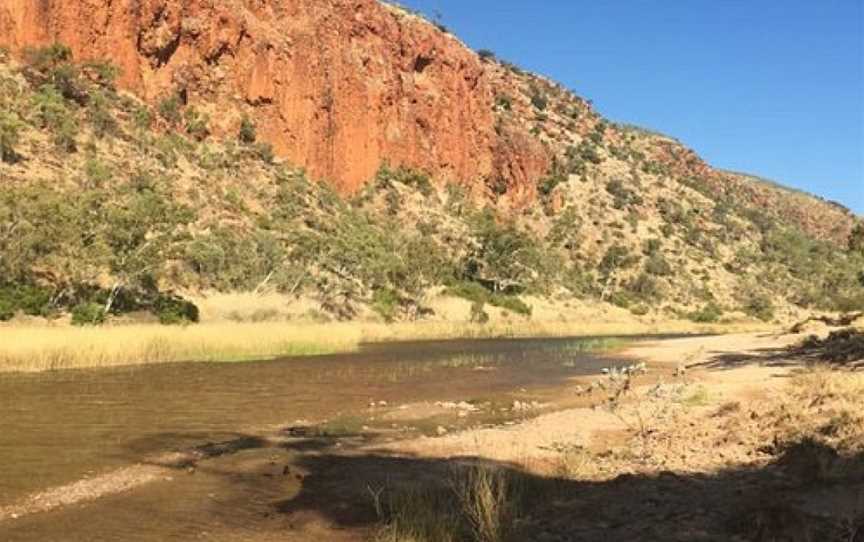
x,y
710,313
99,114
27,298
385,301
476,293
104,72
539,99
10,130
616,257
645,287
172,310
412,178
759,306
657,265
52,112
197,124
88,314
504,102
247,133
623,196
169,109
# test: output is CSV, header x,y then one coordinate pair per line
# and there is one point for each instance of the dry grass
x,y
242,327
48,348
480,503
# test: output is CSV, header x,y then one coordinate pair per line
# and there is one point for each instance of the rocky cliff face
x,y
337,87
342,86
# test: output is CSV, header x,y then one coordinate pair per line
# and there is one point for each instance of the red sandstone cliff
x,y
340,86
336,86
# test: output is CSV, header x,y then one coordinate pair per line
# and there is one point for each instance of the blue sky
x,y
770,87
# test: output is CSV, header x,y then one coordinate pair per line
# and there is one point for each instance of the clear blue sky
x,y
770,87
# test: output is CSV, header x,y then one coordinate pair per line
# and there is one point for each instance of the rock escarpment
x,y
337,87
343,86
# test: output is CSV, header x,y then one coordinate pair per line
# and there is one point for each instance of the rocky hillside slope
x,y
339,87
159,153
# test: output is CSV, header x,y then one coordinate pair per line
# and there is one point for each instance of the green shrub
x,y
10,129
657,265
621,299
7,309
197,124
419,180
27,298
548,184
264,152
142,118
44,58
247,133
169,109
622,196
105,71
486,54
99,114
640,310
645,287
476,293
66,135
172,310
471,291
88,314
385,302
539,99
596,136
511,303
51,112
760,306
616,257
710,313
650,247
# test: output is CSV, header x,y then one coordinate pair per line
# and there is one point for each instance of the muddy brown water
x,y
59,427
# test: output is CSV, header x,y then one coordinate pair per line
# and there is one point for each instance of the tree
x,y
503,258
141,232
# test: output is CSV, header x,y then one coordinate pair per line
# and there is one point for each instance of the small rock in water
x,y
441,430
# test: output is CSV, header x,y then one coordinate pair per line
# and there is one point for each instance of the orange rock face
x,y
337,87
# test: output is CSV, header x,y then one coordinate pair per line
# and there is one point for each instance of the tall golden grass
x,y
41,348
47,348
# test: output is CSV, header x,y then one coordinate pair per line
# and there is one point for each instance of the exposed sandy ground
x,y
543,436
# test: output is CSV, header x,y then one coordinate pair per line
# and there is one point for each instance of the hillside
x,y
189,164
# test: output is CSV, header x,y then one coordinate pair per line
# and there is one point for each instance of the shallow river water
x,y
62,426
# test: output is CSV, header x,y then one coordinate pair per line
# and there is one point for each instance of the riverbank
x,y
740,437
33,348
